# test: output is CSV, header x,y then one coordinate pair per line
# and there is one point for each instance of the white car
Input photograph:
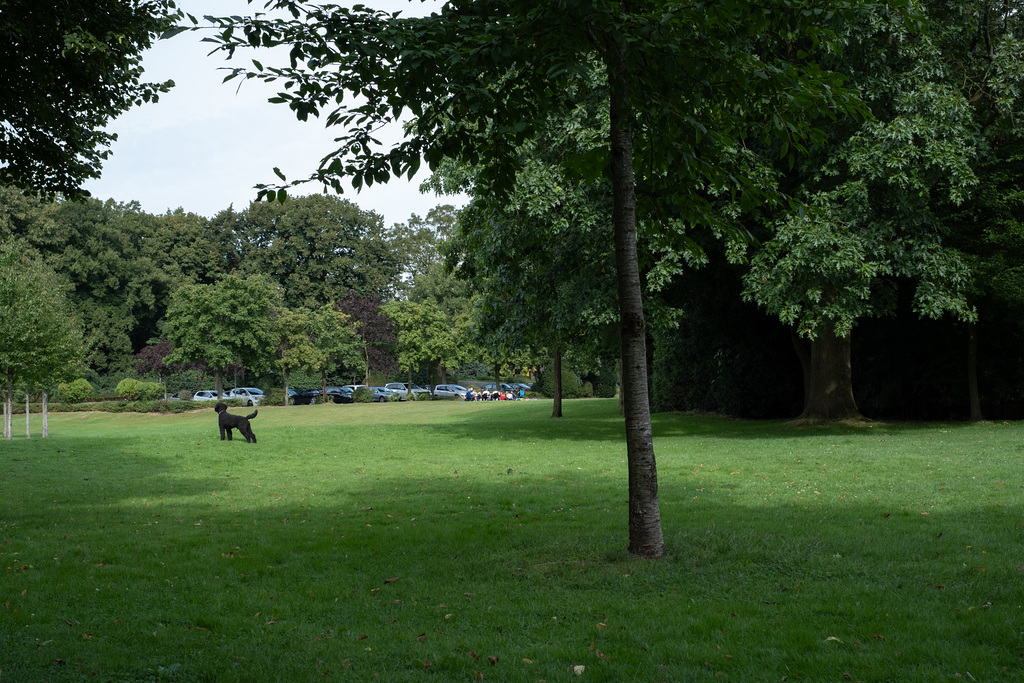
x,y
204,395
249,396
404,389
454,390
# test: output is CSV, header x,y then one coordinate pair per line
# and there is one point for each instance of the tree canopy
x,y
66,70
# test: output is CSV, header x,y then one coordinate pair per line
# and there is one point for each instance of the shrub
x,y
128,388
150,391
570,384
75,391
362,395
425,396
185,395
273,397
588,390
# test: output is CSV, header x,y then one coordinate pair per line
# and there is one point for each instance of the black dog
x,y
226,421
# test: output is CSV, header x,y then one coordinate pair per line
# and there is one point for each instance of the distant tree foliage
x,y
316,247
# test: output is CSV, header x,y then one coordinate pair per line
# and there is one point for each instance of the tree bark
x,y
645,534
218,383
556,409
28,421
972,373
830,385
46,415
9,406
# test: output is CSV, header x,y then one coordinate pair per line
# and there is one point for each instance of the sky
x,y
206,143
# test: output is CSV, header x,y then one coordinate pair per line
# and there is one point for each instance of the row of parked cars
x,y
251,396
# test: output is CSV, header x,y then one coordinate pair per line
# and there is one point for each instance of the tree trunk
x,y
9,406
830,395
28,422
645,535
444,374
218,383
409,396
556,409
972,373
46,415
323,385
284,375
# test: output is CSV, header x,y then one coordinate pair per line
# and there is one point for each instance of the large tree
x,y
425,335
67,69
878,196
479,77
222,324
317,248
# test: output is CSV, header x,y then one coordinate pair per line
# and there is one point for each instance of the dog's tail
x,y
251,415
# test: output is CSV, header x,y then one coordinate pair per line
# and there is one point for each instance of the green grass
x,y
413,542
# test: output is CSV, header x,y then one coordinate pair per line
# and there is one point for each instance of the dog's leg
x,y
222,434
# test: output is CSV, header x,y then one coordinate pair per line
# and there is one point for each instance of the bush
x,y
362,395
128,388
75,391
588,390
185,395
425,396
150,391
570,384
273,397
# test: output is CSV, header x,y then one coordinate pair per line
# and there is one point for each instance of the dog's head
x,y
220,407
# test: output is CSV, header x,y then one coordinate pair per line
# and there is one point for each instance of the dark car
x,y
303,397
338,395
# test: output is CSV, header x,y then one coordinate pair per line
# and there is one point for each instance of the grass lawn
x,y
444,541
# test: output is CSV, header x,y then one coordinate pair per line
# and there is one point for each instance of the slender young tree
x,y
39,341
480,77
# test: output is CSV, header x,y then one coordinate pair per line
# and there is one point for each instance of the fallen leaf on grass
x,y
392,580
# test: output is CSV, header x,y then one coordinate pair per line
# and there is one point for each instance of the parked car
x,y
249,396
504,387
205,395
339,394
456,390
383,394
303,396
405,389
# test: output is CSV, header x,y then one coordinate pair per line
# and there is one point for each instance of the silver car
x,y
404,389
205,395
249,396
451,390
